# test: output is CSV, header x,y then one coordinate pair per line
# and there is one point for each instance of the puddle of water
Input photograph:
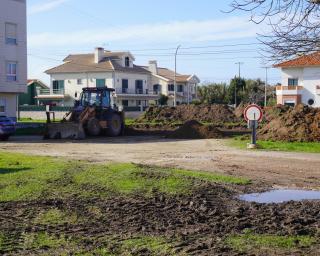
x,y
280,196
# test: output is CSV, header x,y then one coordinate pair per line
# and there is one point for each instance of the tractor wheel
x,y
93,127
114,125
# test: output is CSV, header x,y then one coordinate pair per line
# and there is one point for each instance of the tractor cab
x,y
96,97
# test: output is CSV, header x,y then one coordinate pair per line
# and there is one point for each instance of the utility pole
x,y
235,89
265,87
175,77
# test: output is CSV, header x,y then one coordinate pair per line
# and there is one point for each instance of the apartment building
x,y
300,81
134,85
13,54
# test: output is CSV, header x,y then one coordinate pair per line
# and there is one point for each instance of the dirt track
x,y
275,168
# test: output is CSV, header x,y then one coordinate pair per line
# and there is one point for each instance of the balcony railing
x,y
289,90
51,92
133,91
290,87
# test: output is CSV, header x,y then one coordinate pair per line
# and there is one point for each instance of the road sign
x,y
253,113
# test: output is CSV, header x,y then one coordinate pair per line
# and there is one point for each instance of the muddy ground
x,y
276,169
195,224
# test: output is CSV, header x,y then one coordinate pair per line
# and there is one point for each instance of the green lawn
x,y
307,147
32,177
250,242
30,120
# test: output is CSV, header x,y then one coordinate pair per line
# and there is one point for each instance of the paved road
x,y
275,168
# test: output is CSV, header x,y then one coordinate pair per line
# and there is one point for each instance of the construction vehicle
x,y
94,114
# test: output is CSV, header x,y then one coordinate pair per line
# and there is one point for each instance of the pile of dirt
x,y
300,123
195,130
202,113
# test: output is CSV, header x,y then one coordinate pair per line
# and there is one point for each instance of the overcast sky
x,y
212,40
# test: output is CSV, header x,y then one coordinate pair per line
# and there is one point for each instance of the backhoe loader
x,y
94,114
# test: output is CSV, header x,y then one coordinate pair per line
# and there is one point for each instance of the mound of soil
x,y
283,123
182,113
195,130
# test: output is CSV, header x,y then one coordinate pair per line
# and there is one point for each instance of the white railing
x,y
50,92
133,91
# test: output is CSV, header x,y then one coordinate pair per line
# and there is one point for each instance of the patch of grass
x,y
213,177
307,147
155,245
55,217
131,178
248,242
30,120
32,177
26,177
142,245
130,121
43,241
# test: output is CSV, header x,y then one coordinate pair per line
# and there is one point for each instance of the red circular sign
x,y
253,112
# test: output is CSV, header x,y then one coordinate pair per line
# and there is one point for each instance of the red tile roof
x,y
306,60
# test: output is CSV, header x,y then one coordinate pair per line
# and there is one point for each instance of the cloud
x,y
44,7
172,32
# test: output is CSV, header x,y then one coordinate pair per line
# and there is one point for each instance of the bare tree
x,y
295,25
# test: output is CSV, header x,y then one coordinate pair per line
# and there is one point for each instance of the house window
x,y
125,103
156,88
58,86
139,87
180,88
11,33
79,81
2,106
170,87
127,62
138,102
125,84
293,82
11,71
100,82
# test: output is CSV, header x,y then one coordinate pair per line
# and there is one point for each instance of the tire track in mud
x,y
197,223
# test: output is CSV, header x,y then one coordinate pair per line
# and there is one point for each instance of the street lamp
x,y
175,77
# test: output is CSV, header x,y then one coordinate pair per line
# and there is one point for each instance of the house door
x,y
139,87
125,84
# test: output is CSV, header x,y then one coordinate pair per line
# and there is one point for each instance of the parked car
x,y
7,127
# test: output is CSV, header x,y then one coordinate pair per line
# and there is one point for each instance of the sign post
x,y
253,115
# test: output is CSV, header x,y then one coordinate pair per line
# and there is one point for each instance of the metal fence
x,y
43,108
31,108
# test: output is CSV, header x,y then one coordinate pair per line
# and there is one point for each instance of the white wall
x,y
309,78
88,80
13,11
132,77
292,73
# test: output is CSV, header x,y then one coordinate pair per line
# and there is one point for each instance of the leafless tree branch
x,y
295,25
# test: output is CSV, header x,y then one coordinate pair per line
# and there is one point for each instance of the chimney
x,y
98,54
153,67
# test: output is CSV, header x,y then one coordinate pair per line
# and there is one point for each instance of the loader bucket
x,y
64,130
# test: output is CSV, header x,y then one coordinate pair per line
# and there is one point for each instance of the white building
x,y
300,81
13,54
135,85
